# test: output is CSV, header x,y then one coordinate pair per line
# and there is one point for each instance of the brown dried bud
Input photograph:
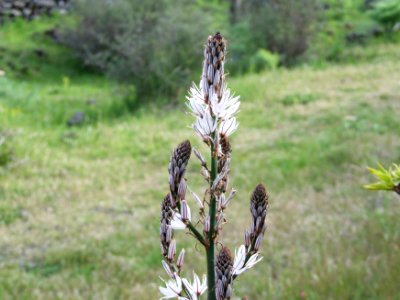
x,y
222,161
223,272
177,167
225,145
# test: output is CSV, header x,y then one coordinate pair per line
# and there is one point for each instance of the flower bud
x,y
167,269
230,197
181,257
247,238
185,211
168,237
200,157
198,200
171,250
258,242
205,174
207,224
182,189
177,167
223,272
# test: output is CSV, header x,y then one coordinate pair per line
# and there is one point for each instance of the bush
x,y
285,26
153,44
387,13
340,22
242,44
263,60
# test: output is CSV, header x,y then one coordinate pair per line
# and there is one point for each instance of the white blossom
x,y
226,107
239,265
205,125
172,289
228,126
196,101
178,222
196,288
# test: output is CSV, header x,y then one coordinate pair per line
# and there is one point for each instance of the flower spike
x,y
214,108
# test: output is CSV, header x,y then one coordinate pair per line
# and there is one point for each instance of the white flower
x,y
196,288
172,289
205,125
196,101
179,220
239,265
228,126
227,106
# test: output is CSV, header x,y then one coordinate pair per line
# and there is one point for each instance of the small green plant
x,y
389,179
264,60
6,151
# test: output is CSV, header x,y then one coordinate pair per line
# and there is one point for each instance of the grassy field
x,y
79,207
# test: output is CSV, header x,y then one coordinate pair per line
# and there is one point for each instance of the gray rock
x,y
77,119
91,102
45,3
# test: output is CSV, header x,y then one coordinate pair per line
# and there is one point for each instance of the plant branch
x,y
197,234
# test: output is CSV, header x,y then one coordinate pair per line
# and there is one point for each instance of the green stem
x,y
197,234
193,229
211,245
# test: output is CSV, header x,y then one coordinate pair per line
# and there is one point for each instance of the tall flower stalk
x,y
214,108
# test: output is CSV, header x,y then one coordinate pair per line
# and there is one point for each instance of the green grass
x,y
79,207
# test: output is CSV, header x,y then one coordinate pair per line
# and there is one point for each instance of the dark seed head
x,y
258,209
213,65
223,271
165,221
258,201
177,168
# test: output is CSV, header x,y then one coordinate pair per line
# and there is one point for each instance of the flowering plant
x,y
389,179
214,108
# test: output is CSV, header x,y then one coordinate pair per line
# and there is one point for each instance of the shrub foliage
x,y
150,43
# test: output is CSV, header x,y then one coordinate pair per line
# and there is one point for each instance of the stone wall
x,y
29,9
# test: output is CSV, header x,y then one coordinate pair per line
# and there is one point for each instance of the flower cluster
x,y
213,104
178,287
258,209
388,179
214,108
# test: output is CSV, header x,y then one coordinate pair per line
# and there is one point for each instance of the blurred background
x,y
92,103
